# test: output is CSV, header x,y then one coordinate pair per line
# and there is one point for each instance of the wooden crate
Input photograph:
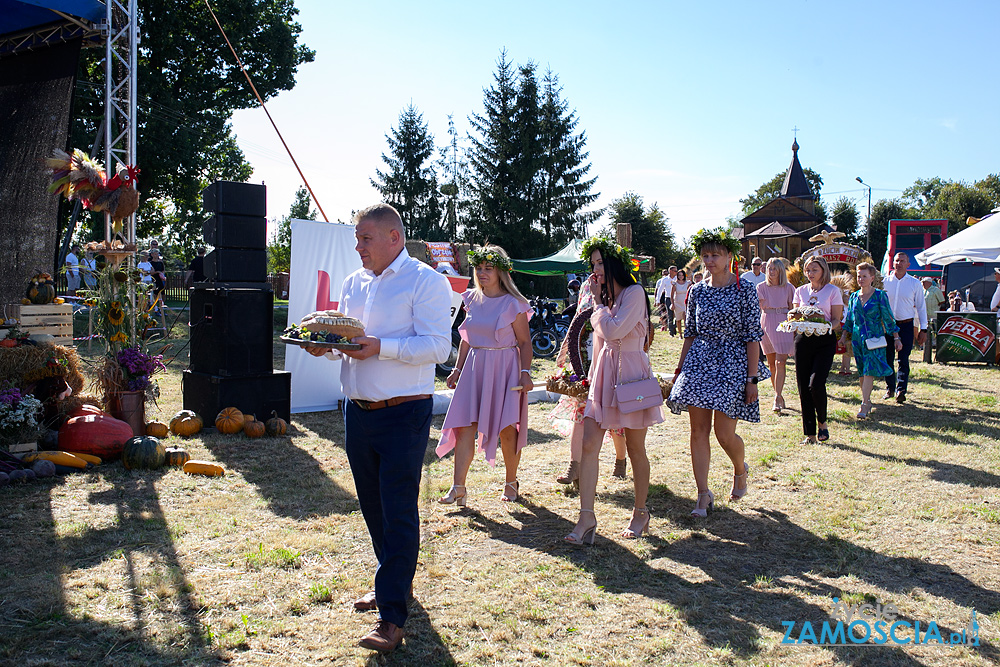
x,y
23,448
55,319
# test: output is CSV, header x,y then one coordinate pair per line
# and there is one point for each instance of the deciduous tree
x,y
279,246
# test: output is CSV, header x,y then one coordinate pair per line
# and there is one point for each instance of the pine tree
x,y
410,183
565,191
279,247
490,160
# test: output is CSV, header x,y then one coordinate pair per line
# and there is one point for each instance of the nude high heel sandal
x,y
737,492
454,497
588,535
702,512
515,487
630,534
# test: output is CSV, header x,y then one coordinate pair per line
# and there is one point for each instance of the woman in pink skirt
x,y
775,295
621,330
494,357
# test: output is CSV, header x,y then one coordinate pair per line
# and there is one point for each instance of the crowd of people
x,y
81,269
731,342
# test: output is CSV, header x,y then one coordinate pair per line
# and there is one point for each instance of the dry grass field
x,y
115,567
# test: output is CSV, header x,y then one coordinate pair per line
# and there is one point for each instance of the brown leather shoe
x,y
901,398
366,602
384,638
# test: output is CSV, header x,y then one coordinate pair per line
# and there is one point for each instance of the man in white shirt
x,y
73,270
662,297
995,301
756,276
906,298
405,307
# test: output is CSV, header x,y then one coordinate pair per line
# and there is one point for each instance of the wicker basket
x,y
560,386
665,386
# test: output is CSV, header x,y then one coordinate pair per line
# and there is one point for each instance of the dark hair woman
x,y
621,335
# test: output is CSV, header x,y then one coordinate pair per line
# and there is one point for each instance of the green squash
x,y
143,452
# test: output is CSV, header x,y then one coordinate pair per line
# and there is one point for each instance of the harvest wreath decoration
x,y
608,247
704,237
489,254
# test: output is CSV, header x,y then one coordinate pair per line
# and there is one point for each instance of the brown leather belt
x,y
387,403
909,321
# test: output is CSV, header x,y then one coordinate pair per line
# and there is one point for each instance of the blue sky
x,y
690,105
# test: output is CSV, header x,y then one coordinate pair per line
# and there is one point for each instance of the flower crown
x,y
492,256
609,248
719,236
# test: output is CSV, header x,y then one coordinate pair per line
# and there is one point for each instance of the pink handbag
x,y
636,395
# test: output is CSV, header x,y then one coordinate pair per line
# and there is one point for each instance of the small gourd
x,y
276,425
254,429
185,423
176,456
229,421
157,429
143,452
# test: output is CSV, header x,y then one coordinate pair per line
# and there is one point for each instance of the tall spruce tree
x,y
527,166
564,188
491,157
410,183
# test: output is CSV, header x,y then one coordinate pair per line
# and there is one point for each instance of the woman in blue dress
x,y
869,317
717,375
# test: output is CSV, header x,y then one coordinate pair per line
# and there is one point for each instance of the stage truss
x,y
121,33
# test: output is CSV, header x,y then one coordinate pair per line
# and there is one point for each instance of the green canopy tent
x,y
566,260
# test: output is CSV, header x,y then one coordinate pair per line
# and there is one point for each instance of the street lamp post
x,y
868,222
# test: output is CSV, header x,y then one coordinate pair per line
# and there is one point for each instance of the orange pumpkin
x,y
254,429
229,421
276,425
157,429
186,423
248,418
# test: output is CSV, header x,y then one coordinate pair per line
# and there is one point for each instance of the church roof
x,y
796,184
775,229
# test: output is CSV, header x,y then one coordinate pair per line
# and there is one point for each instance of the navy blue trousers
x,y
386,450
896,383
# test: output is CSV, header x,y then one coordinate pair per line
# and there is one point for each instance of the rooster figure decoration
x,y
78,176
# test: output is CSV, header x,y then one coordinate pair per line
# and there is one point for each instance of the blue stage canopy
x,y
25,15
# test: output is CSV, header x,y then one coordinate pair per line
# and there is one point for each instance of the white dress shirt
x,y
754,278
995,301
408,308
906,298
663,285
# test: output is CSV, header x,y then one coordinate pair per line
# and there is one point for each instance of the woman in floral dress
x,y
719,368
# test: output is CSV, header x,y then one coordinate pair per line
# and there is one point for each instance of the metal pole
x,y
868,222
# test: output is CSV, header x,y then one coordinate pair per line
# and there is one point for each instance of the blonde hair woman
x,y
494,356
814,354
775,296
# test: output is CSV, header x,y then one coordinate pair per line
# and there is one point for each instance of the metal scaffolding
x,y
121,33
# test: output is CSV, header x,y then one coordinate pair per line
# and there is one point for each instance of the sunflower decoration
x,y
116,315
609,248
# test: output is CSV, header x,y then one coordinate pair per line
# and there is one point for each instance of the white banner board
x,y
323,256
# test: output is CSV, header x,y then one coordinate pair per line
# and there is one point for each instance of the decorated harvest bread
x,y
335,322
807,320
807,314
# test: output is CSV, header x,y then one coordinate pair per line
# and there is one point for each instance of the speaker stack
x,y
232,315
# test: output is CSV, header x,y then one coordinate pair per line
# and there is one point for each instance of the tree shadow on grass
x,y
748,548
952,473
290,479
49,629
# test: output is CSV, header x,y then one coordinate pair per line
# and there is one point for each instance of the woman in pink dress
x,y
621,335
775,295
494,358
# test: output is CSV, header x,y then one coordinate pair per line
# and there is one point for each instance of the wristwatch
x,y
753,379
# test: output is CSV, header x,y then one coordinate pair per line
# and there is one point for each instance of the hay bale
x,y
27,364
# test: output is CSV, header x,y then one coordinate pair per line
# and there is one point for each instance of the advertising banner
x,y
967,337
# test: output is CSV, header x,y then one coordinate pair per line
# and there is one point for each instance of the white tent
x,y
978,243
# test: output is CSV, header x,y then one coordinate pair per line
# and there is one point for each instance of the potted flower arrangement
x,y
18,417
121,311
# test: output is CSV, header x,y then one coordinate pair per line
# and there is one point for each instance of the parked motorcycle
x,y
542,326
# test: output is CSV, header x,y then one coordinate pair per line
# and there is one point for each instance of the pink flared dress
x,y
492,367
622,327
774,310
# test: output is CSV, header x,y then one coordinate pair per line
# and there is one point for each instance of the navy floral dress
x,y
722,320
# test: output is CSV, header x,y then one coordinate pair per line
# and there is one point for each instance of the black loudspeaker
x,y
231,331
236,265
235,198
257,395
236,231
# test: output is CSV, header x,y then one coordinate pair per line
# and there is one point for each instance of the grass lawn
x,y
114,567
